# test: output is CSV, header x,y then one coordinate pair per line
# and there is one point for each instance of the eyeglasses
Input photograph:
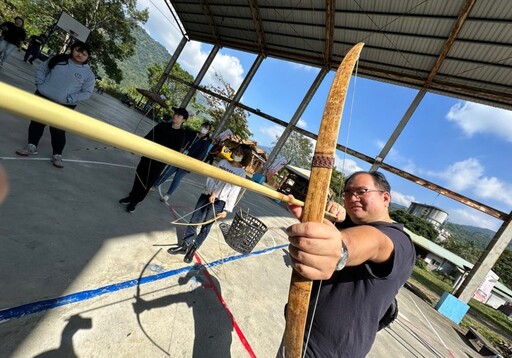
x,y
358,192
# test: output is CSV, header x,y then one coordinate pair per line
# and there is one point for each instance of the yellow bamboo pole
x,y
33,107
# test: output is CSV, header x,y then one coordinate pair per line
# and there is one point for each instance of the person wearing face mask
x,y
196,146
218,199
170,134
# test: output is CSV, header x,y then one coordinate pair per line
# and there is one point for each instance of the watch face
x,y
343,259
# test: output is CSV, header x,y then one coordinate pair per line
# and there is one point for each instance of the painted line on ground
x,y
235,325
69,161
40,306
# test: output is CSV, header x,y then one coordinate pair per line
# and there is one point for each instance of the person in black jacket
x,y
196,146
33,48
13,34
168,134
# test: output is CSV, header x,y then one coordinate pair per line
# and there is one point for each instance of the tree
x,y
298,150
467,250
237,122
503,267
416,224
173,91
110,23
337,183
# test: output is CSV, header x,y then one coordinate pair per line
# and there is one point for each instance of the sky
x,y
456,144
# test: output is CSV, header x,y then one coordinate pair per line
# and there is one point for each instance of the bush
x,y
421,263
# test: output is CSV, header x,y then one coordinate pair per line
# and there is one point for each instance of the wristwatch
x,y
344,257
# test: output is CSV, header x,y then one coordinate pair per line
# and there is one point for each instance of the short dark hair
x,y
206,124
247,154
63,58
379,179
81,46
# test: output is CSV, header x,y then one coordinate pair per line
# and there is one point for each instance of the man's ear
x,y
387,198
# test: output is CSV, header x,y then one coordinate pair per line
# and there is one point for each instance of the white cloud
x,y
347,166
469,175
461,175
302,123
301,67
402,199
475,118
162,27
397,159
272,131
230,69
473,218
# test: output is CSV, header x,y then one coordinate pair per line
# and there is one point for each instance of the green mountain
x,y
147,53
477,235
395,206
480,230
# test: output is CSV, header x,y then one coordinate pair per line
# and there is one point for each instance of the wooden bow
x,y
316,198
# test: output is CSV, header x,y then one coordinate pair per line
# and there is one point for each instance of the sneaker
x,y
57,161
180,249
152,188
125,201
164,198
30,149
131,207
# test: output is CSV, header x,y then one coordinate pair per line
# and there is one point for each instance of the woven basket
x,y
244,233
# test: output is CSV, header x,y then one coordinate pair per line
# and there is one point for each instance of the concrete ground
x,y
81,277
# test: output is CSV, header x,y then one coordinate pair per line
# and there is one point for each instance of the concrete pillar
x,y
485,263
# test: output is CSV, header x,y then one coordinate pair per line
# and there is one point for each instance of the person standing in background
x,y
196,146
169,134
217,200
13,34
65,79
33,48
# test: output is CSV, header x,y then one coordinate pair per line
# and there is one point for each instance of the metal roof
x,y
304,173
459,48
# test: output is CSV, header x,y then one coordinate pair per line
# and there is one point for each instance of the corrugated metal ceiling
x,y
404,39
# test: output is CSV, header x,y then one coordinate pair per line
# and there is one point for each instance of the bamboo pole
x,y
36,108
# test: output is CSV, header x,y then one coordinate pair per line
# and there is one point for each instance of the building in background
x,y
430,213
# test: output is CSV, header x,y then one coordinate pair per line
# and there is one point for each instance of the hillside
x,y
477,235
147,53
395,206
479,230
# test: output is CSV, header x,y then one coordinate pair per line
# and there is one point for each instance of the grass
x,y
492,324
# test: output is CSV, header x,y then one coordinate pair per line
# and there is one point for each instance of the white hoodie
x,y
222,190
